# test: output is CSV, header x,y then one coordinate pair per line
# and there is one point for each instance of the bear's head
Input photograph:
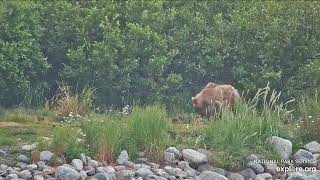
x,y
196,103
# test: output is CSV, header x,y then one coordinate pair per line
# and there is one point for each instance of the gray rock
x,y
177,172
12,176
128,164
25,174
88,158
297,176
191,172
194,158
144,172
32,167
162,173
205,167
304,158
49,171
67,173
90,170
3,167
38,177
123,157
258,168
3,153
77,163
313,147
185,167
153,165
137,166
102,176
154,177
172,177
83,174
23,158
107,170
314,176
248,173
169,157
84,159
93,163
208,167
46,156
264,176
175,151
17,169
41,165
10,170
36,172
120,168
219,171
29,147
22,165
282,146
209,175
235,176
125,175
56,160
270,168
252,157
47,177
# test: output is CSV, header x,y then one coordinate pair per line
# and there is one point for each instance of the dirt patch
x,y
8,124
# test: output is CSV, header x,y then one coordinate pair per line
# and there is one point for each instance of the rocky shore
x,y
186,164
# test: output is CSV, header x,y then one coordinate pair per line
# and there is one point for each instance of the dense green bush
x,y
156,51
22,64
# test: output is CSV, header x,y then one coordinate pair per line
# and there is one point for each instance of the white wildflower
x,y
71,114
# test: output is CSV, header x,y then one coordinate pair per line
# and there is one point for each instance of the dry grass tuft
x,y
68,104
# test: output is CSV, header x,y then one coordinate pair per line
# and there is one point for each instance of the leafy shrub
x,y
22,64
67,104
246,130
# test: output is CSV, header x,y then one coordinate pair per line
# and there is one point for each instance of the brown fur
x,y
213,98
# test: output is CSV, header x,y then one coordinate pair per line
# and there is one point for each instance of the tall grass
x,y
34,97
104,137
148,130
144,129
309,108
65,141
247,129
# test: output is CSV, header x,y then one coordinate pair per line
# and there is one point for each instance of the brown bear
x,y
213,98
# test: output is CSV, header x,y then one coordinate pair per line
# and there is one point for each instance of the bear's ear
x,y
211,85
194,100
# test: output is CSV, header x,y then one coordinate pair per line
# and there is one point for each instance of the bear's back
x,y
221,93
